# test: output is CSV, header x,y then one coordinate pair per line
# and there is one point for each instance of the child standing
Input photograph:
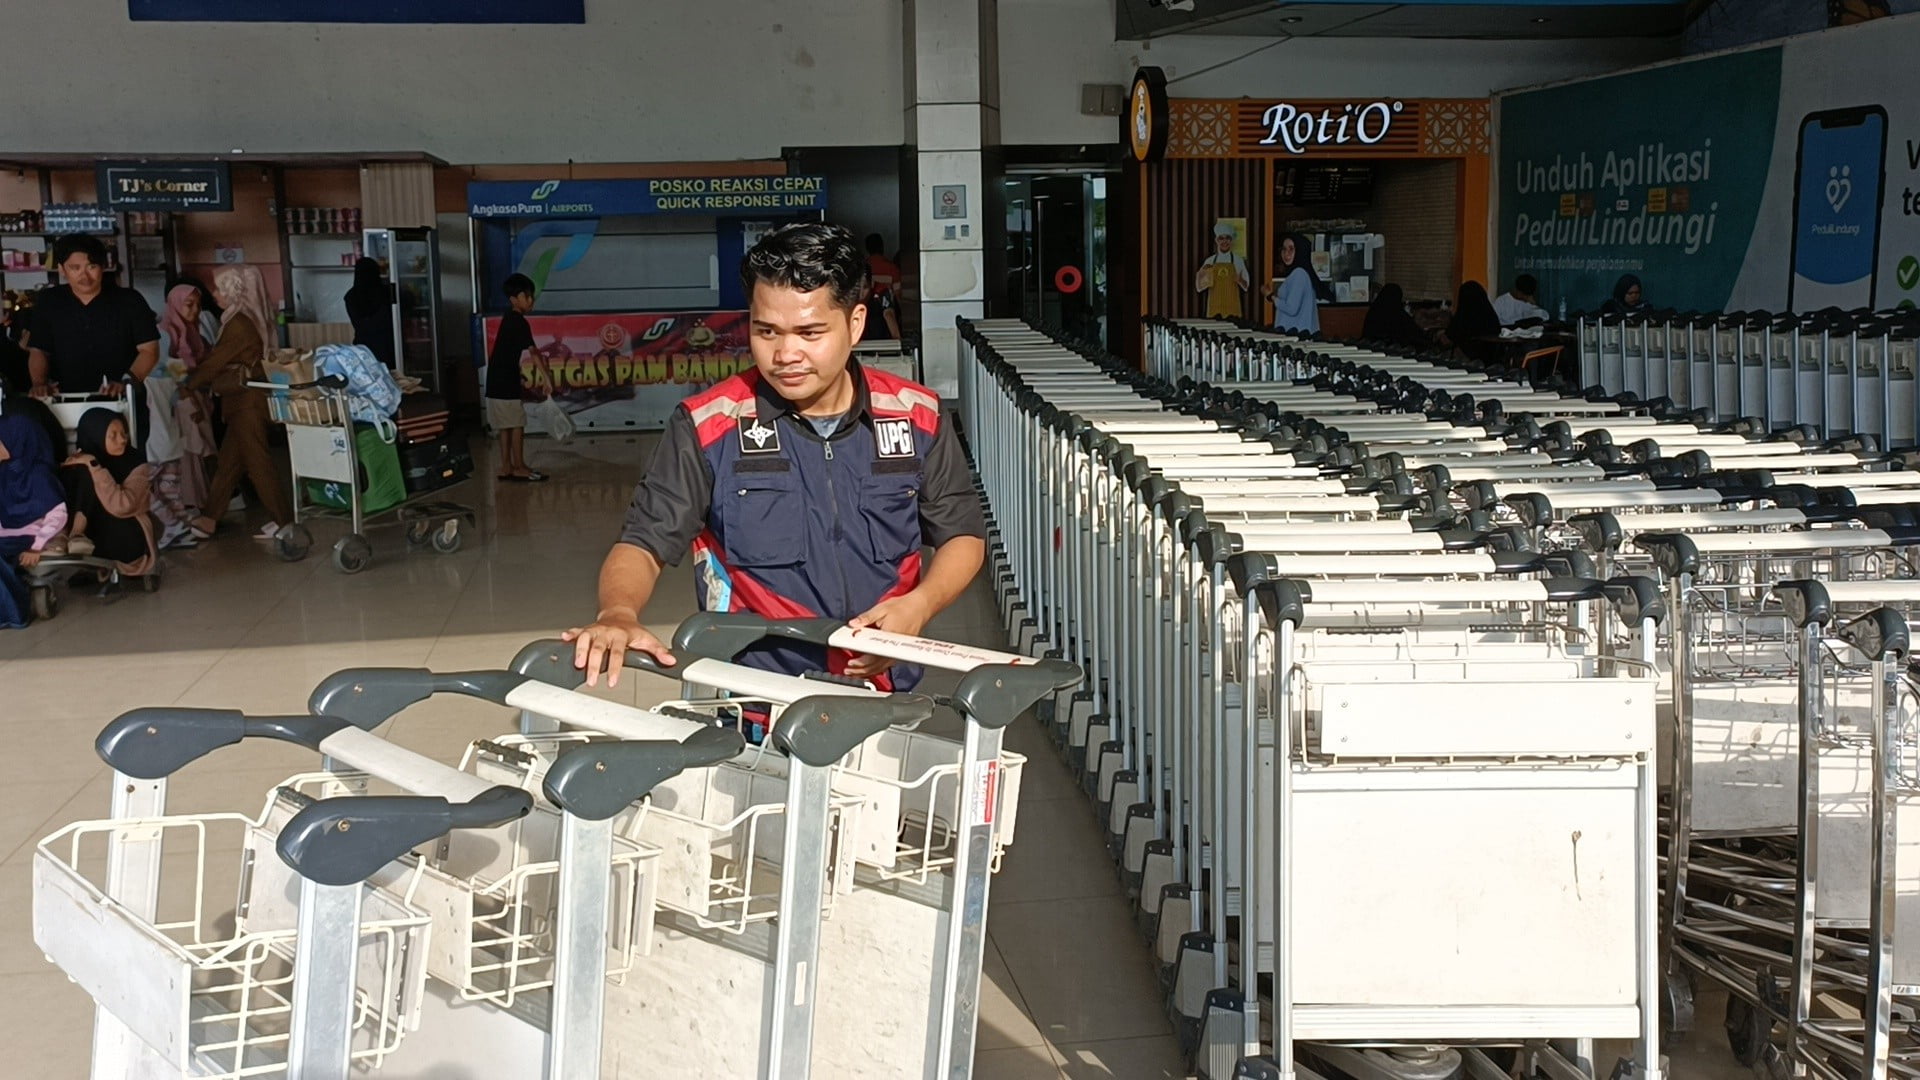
x,y
506,412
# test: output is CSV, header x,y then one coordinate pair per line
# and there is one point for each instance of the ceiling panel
x,y
1537,19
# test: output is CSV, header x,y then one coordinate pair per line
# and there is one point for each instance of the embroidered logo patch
x,y
757,437
893,437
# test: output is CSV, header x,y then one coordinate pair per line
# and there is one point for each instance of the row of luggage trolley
x,y
601,891
1436,734
1842,372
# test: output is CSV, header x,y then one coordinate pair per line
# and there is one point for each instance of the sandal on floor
x,y
533,477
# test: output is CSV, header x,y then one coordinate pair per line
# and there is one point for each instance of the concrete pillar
x,y
953,124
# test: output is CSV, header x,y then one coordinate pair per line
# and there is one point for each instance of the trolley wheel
x,y
448,537
150,583
1749,1030
352,554
419,533
1676,1004
293,543
44,602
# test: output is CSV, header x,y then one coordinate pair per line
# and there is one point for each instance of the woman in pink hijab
x,y
182,437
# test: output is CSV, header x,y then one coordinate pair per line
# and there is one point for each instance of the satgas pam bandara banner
x,y
628,371
1777,178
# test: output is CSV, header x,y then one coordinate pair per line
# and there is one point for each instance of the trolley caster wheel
x,y
150,583
448,537
1676,1004
1749,1031
419,534
1775,1066
352,554
44,602
293,543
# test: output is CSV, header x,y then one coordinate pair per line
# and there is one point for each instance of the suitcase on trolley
x,y
431,464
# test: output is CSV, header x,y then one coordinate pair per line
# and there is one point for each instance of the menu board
x,y
1322,185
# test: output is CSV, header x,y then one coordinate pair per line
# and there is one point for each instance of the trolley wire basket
x,y
204,985
492,894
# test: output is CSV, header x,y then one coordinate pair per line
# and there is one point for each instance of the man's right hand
x,y
605,645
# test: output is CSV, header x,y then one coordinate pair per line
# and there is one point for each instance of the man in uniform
x,y
806,487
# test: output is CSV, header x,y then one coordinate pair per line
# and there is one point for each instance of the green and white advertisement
x,y
1780,178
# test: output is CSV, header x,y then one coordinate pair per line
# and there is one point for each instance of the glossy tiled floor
x,y
1071,994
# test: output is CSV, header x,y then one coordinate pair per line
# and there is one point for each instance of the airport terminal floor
x,y
1068,991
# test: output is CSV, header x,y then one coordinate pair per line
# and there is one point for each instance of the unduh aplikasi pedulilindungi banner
x,y
626,372
1783,177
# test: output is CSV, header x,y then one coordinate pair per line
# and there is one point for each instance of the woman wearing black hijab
x,y
1388,321
108,484
370,309
1474,322
1627,297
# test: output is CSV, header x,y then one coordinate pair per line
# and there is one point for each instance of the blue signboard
x,y
704,196
359,11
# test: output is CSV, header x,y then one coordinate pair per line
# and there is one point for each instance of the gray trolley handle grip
x,y
600,779
369,697
550,661
152,743
822,729
346,840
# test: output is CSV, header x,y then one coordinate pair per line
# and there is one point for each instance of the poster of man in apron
x,y
1223,277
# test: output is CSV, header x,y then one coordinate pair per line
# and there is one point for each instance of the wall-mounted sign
x,y
949,201
359,11
169,186
1146,119
1301,129
705,196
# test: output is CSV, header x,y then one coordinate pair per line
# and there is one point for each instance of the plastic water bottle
x,y
1563,309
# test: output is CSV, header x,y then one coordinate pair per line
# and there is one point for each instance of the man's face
x,y
521,302
82,274
1223,244
802,340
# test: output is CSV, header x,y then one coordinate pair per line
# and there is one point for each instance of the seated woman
x,y
108,490
33,509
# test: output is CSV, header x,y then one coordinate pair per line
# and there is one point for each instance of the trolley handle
x,y
819,731
347,839
600,779
367,697
997,687
152,743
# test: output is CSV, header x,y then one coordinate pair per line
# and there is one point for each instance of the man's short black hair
x,y
807,256
1525,285
876,244
518,285
79,244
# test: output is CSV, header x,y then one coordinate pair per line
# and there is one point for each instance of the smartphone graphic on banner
x,y
1840,170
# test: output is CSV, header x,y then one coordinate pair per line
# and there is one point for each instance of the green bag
x,y
382,483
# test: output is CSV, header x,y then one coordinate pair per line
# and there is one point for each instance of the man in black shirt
x,y
506,412
89,335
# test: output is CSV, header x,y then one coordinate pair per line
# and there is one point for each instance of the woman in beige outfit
x,y
246,334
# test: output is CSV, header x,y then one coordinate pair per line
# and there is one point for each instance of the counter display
x,y
626,371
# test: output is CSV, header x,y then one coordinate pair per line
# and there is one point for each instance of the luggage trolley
x,y
321,443
1732,759
1367,790
320,970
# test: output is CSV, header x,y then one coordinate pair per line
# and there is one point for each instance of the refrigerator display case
x,y
411,260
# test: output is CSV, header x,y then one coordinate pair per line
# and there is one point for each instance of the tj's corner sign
x,y
1358,128
173,186
709,196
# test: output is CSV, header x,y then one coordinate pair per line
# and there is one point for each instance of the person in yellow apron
x,y
1223,277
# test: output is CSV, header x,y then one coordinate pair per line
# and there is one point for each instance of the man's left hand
x,y
907,614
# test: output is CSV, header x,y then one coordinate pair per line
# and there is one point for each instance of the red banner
x,y
604,352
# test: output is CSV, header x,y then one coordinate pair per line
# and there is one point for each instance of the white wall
x,y
642,80
1048,48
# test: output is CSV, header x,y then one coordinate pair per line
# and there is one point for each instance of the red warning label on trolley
x,y
985,791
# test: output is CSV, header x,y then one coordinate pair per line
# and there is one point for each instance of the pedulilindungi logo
x,y
758,438
540,193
